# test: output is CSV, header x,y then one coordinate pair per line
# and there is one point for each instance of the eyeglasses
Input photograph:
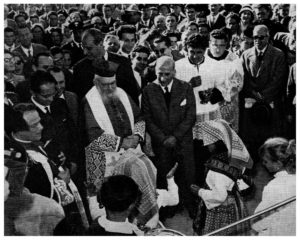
x,y
141,59
164,74
259,37
9,60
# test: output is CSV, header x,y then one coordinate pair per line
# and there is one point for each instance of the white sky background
x,y
114,2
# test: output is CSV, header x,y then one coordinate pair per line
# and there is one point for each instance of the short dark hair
x,y
19,15
54,69
118,193
126,29
164,39
55,50
56,29
51,13
196,41
39,78
95,33
139,49
23,26
219,34
37,57
15,118
234,16
192,23
9,29
173,15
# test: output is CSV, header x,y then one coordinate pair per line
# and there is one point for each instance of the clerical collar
x,y
40,106
218,58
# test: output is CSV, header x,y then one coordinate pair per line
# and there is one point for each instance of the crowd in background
x,y
203,85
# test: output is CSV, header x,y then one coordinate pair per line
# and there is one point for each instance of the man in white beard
x,y
112,122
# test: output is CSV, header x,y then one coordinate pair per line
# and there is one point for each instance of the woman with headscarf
x,y
220,203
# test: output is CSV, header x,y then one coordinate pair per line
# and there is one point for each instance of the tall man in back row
x,y
169,109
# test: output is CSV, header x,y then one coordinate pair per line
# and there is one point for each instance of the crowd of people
x,y
119,116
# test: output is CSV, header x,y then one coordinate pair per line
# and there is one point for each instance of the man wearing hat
x,y
145,21
265,79
75,46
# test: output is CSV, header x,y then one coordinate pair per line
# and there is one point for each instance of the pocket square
x,y
183,102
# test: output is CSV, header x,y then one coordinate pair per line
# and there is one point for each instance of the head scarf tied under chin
x,y
213,131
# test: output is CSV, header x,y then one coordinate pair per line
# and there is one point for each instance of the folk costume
x,y
220,203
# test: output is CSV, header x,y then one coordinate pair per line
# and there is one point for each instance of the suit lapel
x,y
175,96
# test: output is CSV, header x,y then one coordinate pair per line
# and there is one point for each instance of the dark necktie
x,y
260,57
47,111
29,53
167,96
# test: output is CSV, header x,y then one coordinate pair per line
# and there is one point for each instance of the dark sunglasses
x,y
140,59
259,37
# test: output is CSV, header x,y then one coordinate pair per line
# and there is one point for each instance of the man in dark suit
x,y
7,21
265,80
27,49
92,40
145,21
75,46
169,109
58,134
215,19
107,20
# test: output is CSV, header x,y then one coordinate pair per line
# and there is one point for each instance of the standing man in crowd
x,y
127,36
169,109
92,40
265,80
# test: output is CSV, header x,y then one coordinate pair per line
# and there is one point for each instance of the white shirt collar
x,y
107,20
25,50
262,51
40,106
118,227
8,47
123,53
162,87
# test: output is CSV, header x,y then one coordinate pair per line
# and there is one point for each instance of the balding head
x,y
165,70
261,36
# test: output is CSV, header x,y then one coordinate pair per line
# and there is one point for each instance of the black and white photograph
x,y
148,119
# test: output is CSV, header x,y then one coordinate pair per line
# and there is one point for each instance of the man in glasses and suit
x,y
168,105
265,80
